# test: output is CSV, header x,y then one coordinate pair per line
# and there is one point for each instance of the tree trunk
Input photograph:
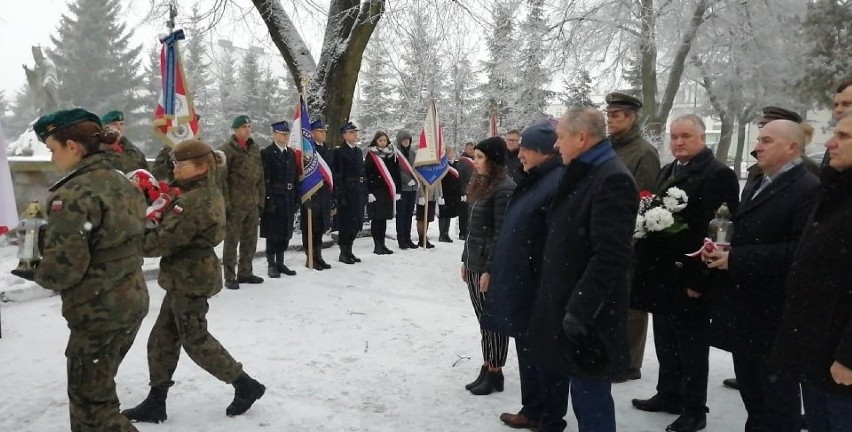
x,y
331,83
741,138
725,114
657,113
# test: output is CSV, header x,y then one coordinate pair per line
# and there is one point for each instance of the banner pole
x,y
310,209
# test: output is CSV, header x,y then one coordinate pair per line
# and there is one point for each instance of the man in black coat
x,y
579,324
767,226
281,181
513,164
517,262
320,202
671,285
448,205
350,191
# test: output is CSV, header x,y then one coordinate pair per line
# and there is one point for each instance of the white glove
x,y
421,201
412,182
371,198
441,201
464,198
397,197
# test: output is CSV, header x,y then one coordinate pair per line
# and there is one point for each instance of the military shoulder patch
x,y
56,205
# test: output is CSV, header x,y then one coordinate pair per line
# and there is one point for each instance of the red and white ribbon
x,y
384,172
709,246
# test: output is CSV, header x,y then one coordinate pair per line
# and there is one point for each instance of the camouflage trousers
x,y
183,323
97,345
241,228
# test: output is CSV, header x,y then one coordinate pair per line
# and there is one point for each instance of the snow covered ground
x,y
385,345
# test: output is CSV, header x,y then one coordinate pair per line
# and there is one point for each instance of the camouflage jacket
x,y
95,222
242,185
161,169
192,225
130,158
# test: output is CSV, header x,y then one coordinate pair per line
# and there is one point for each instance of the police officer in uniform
x,y
350,191
281,182
192,225
91,256
320,202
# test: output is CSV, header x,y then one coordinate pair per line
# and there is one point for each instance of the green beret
x,y
619,101
112,116
48,124
239,121
777,113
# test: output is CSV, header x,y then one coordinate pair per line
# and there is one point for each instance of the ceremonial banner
x,y
430,162
174,118
313,169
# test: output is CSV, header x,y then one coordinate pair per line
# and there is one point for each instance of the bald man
x,y
769,220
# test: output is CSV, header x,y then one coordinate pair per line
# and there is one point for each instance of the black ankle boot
x,y
152,409
318,259
246,391
492,381
482,372
272,269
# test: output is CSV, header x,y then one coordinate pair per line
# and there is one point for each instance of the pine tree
x,y
96,65
532,95
578,89
461,118
422,69
24,112
827,30
375,102
250,96
229,101
499,68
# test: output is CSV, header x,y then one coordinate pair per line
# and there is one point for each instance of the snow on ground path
x,y
366,347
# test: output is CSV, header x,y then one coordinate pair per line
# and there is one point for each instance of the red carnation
x,y
645,194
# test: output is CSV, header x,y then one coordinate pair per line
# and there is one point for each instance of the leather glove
x,y
397,197
25,274
464,198
573,328
371,198
421,201
412,182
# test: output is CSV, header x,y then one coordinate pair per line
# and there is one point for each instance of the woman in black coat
x,y
383,183
814,341
489,192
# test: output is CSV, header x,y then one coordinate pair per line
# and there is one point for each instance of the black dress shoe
x,y
273,272
628,375
286,270
658,404
354,258
688,423
731,383
232,284
250,279
403,245
386,250
322,262
445,239
346,259
412,245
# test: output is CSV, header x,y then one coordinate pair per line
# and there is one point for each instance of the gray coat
x,y
412,153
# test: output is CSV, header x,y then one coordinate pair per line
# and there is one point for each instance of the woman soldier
x,y
489,192
91,256
190,272
383,184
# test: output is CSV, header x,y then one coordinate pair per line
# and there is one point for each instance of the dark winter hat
x,y
48,124
617,101
777,113
239,121
281,126
190,149
318,125
403,134
112,116
540,137
348,127
494,149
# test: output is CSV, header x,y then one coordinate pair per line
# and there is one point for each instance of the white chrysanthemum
x,y
658,219
677,193
670,203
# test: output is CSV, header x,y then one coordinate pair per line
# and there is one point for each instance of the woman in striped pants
x,y
488,195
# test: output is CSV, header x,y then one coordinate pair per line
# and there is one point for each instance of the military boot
x,y
152,409
282,268
246,391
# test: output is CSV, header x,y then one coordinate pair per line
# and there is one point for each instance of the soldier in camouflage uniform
x,y
125,156
91,257
191,226
244,192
